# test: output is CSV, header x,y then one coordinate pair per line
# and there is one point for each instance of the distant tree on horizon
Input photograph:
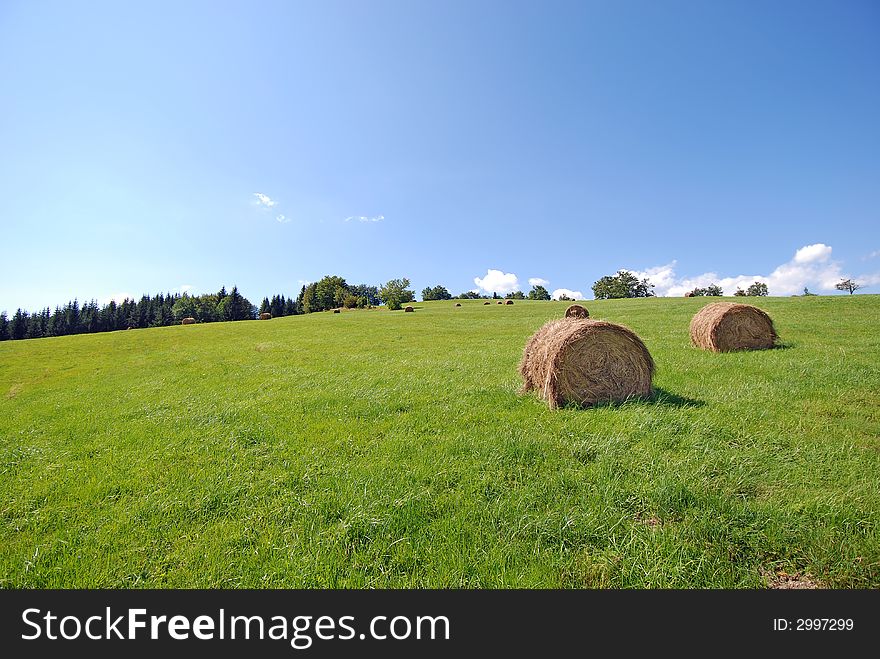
x,y
712,290
395,293
758,289
437,293
624,284
848,285
538,292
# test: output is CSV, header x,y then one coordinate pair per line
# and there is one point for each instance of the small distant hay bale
x,y
188,321
509,302
487,303
584,361
500,301
408,309
265,316
726,326
336,311
577,311
458,304
689,294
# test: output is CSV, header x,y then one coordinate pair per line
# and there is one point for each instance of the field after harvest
x,y
379,449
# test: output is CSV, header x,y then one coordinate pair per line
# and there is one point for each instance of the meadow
x,y
383,449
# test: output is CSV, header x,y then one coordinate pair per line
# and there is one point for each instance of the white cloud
x,y
810,267
282,219
662,276
818,253
574,295
496,281
537,281
364,218
872,255
185,288
265,200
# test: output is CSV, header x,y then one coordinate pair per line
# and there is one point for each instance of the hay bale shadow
x,y
659,397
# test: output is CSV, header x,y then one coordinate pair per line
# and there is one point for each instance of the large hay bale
x,y
487,303
408,309
265,316
726,326
500,301
336,311
509,302
188,321
577,311
458,304
585,361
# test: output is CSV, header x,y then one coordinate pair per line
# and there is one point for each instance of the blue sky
x,y
447,142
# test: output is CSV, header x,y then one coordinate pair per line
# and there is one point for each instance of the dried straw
x,y
726,326
577,311
586,362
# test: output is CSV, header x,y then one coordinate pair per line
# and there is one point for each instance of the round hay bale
x,y
188,321
509,302
689,294
586,362
336,311
577,311
726,326
408,309
265,316
500,301
487,303
458,304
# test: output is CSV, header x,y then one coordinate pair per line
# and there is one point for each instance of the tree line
x,y
330,292
150,311
166,309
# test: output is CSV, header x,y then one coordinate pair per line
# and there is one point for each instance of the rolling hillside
x,y
380,449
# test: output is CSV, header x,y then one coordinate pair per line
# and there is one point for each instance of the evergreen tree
x,y
4,327
18,326
235,307
309,301
34,330
277,306
71,317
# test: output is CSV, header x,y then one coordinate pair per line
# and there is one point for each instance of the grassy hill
x,y
378,449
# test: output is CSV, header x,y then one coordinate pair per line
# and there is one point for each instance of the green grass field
x,y
378,449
